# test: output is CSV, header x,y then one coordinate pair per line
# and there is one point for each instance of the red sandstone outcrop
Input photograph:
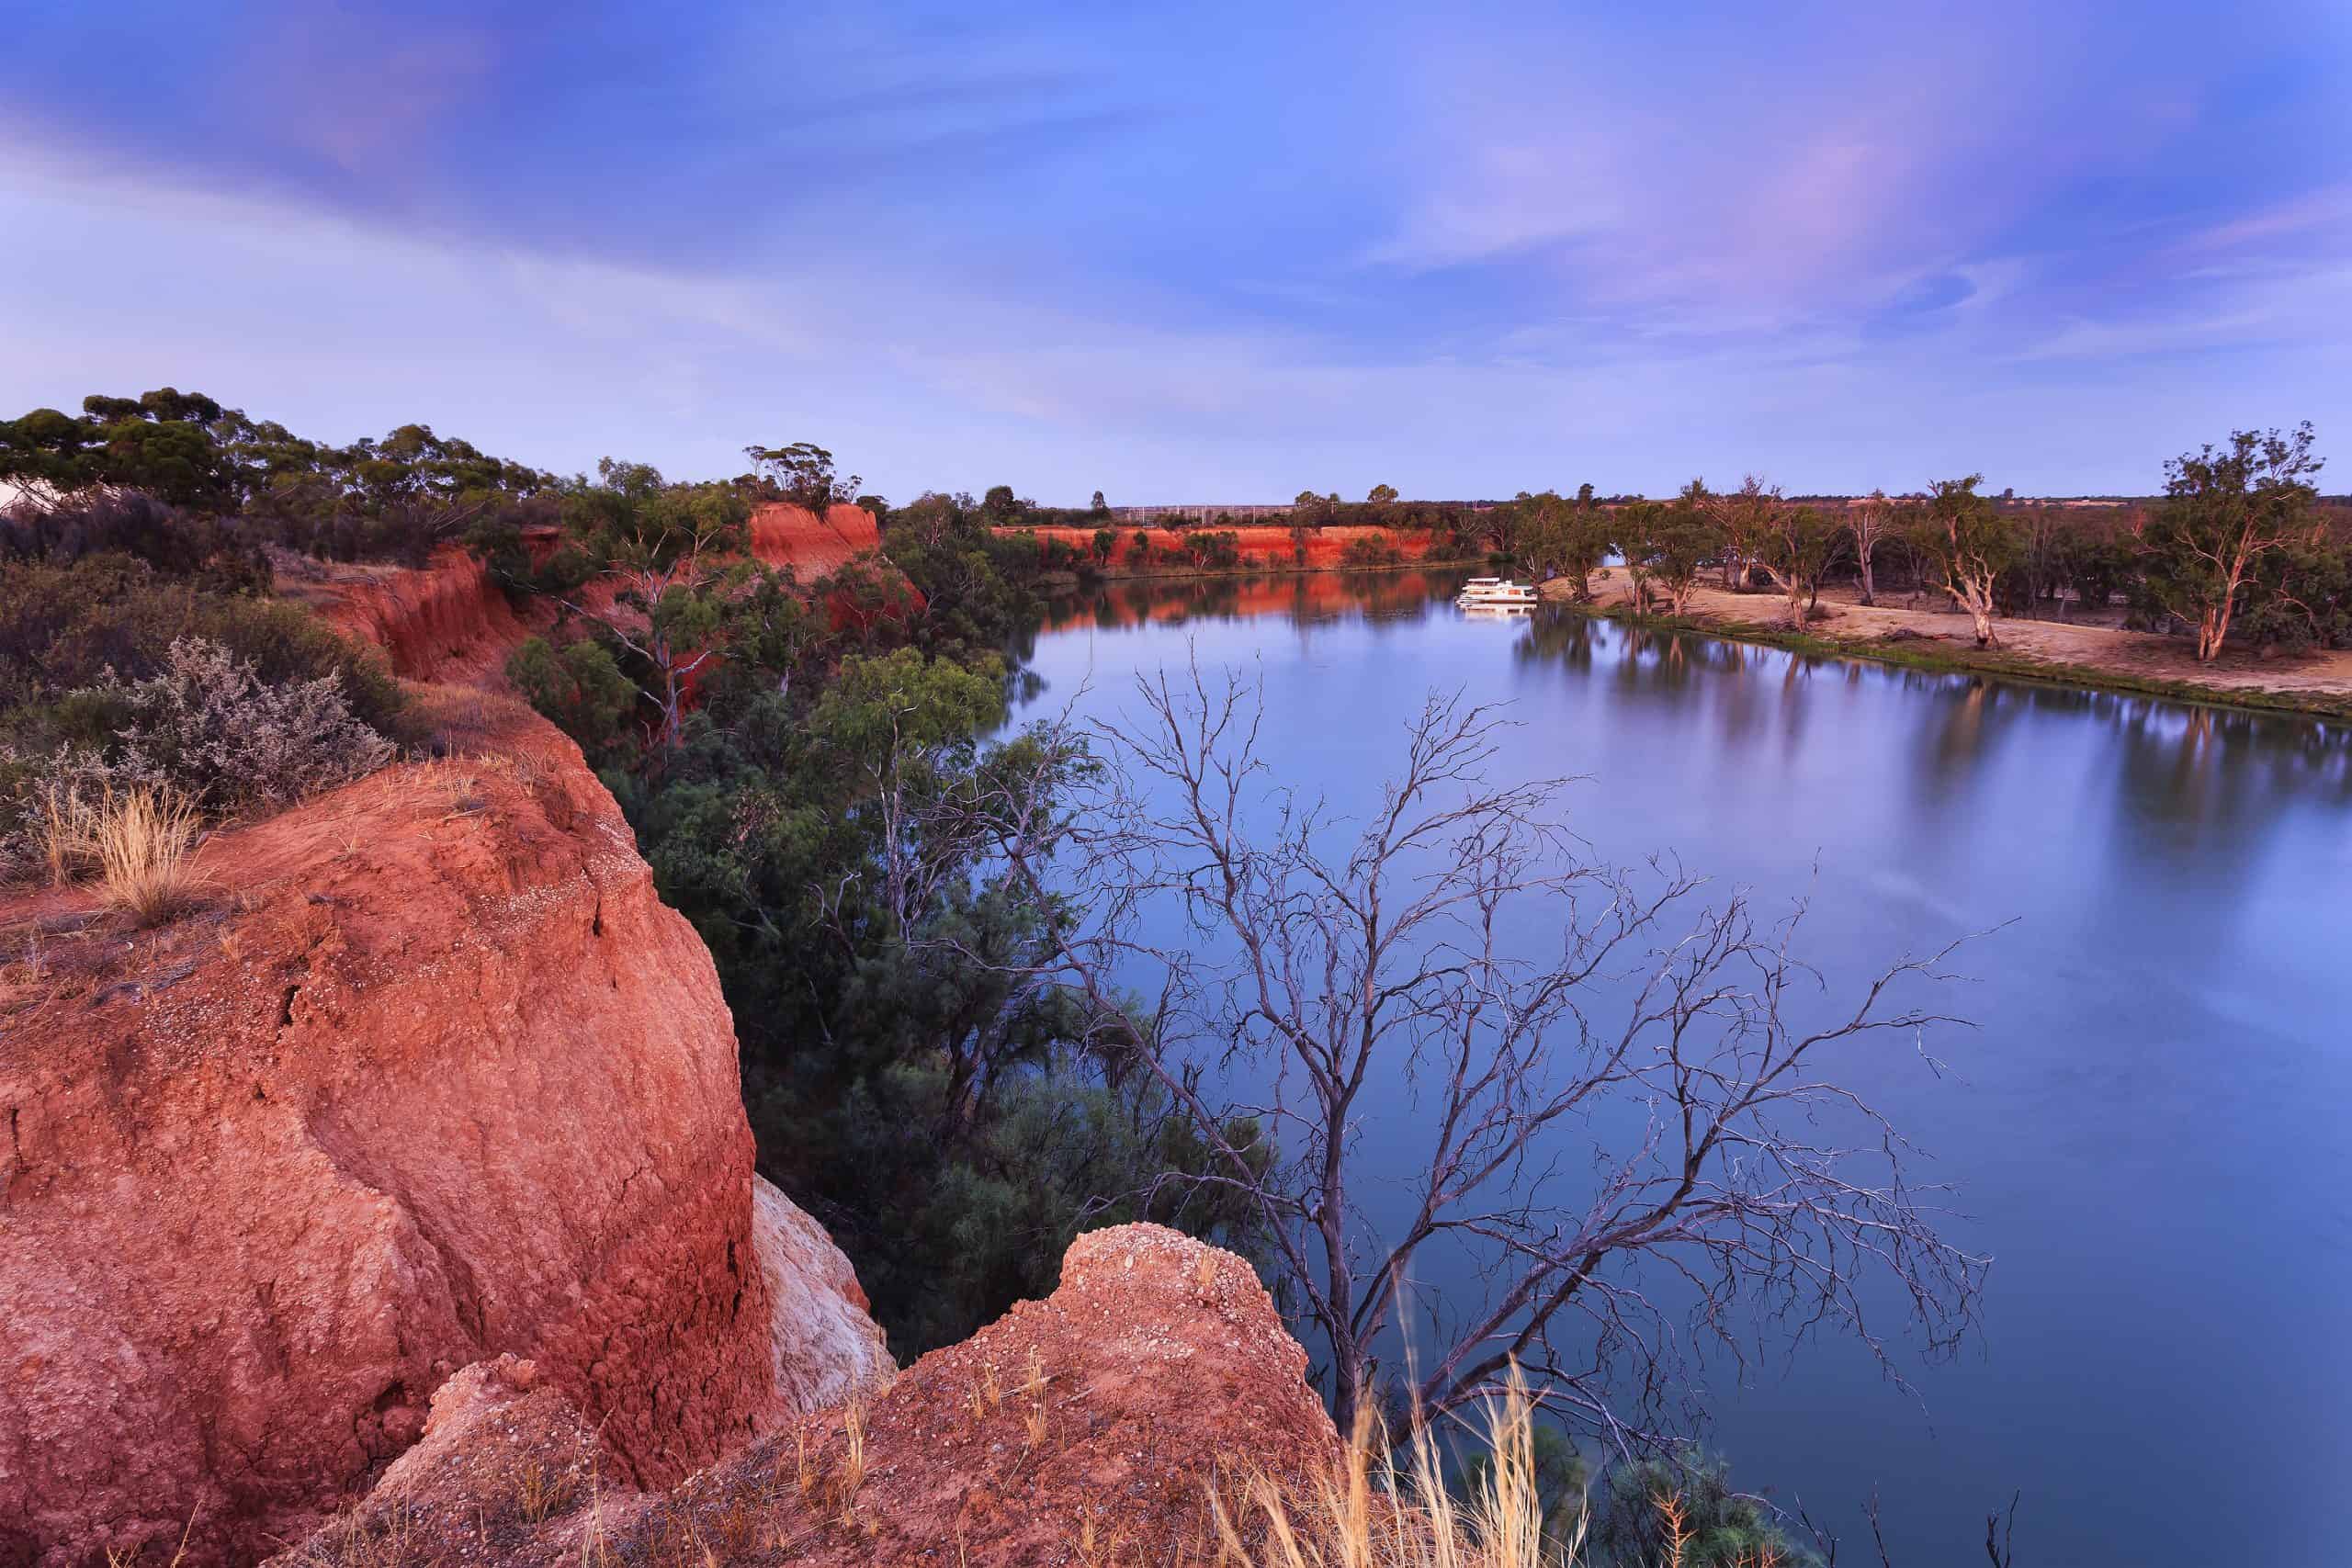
x,y
433,1076
1084,1428
785,535
448,622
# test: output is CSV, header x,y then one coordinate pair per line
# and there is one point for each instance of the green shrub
x,y
63,627
578,686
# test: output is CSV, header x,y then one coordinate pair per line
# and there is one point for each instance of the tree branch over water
x,y
1627,1128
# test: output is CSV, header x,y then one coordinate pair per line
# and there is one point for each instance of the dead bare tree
x,y
1318,957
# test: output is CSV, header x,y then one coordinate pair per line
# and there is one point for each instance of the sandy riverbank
x,y
2089,652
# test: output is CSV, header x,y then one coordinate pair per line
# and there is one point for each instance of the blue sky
x,y
1206,253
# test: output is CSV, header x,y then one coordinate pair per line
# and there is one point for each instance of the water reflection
x,y
1303,599
2197,767
2159,1067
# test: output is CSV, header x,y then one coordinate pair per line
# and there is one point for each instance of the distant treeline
x,y
2239,549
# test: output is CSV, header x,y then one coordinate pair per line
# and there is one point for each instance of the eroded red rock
x,y
432,1076
1086,1428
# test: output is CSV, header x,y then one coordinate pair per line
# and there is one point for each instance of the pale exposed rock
x,y
827,1348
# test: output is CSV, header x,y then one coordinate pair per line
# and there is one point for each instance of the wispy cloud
x,y
1234,248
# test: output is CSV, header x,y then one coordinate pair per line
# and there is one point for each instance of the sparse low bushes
x,y
1369,551
205,551
206,738
62,628
208,726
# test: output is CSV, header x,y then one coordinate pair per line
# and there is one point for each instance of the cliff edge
x,y
432,1077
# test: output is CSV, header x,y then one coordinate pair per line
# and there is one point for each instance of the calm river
x,y
2151,1130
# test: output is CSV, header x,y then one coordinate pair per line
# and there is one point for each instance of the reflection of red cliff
x,y
1260,546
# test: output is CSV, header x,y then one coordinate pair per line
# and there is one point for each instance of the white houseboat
x,y
1496,592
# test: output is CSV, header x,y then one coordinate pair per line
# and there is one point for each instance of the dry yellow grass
x,y
67,828
146,839
1345,1520
852,1473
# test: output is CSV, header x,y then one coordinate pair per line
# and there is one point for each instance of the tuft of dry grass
x,y
146,842
1033,1420
66,827
1414,1519
544,1492
117,1558
853,1472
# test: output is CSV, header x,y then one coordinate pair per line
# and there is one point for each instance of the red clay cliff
x,y
432,1076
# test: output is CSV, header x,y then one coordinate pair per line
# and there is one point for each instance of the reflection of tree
x,y
2203,771
1571,640
2212,776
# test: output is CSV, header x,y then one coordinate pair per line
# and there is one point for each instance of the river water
x,y
2150,1127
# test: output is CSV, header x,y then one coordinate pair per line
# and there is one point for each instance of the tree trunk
x,y
2213,629
1869,589
1979,601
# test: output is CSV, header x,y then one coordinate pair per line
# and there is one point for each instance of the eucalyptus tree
x,y
2226,510
670,558
1870,520
1742,518
1797,546
803,474
1967,543
1671,544
1559,538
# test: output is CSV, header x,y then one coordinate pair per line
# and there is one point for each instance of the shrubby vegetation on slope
x,y
774,744
141,651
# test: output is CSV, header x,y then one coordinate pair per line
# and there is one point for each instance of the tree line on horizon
x,y
2238,549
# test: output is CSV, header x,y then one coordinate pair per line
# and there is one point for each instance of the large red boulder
x,y
434,1075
